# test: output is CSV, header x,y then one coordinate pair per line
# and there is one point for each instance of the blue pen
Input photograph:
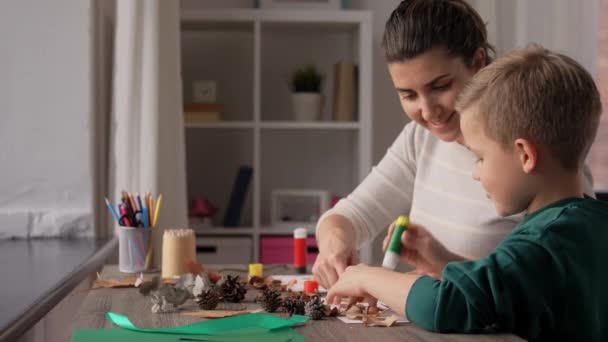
x,y
145,216
109,205
138,202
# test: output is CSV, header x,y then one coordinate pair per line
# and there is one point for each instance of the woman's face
x,y
428,85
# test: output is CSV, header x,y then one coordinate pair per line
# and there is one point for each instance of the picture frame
x,y
302,4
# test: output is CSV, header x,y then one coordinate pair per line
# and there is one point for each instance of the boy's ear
x,y
528,154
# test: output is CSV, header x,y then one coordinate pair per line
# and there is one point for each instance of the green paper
x,y
124,335
216,326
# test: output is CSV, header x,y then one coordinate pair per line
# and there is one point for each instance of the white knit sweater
x,y
430,181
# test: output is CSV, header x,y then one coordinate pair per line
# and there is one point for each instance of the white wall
x,y
388,118
45,118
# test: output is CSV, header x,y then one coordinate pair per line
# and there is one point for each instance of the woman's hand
x,y
335,238
422,251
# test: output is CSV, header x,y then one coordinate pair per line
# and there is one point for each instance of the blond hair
x,y
543,96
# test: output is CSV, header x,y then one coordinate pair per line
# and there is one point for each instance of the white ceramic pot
x,y
307,106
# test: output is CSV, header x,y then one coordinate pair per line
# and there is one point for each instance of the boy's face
x,y
497,168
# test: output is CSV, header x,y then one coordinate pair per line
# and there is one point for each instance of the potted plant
x,y
306,93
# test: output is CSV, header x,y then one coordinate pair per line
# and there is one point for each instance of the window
x,y
598,157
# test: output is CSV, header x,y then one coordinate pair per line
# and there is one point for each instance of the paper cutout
x,y
251,327
219,313
113,283
229,324
385,317
124,335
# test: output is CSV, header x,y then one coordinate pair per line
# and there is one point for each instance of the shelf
x,y
284,230
310,125
220,124
217,231
249,53
190,18
320,125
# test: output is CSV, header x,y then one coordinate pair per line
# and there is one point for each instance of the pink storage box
x,y
279,250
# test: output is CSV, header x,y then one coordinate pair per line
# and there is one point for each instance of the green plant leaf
x,y
306,79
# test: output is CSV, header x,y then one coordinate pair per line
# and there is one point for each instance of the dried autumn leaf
x,y
219,313
372,310
214,276
113,283
354,312
331,312
372,321
258,283
290,284
194,267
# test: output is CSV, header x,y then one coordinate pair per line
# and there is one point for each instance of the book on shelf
x,y
235,206
203,112
345,91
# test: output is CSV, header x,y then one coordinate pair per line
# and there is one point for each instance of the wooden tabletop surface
x,y
137,307
38,273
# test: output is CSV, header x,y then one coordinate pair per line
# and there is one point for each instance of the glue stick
x,y
299,249
393,251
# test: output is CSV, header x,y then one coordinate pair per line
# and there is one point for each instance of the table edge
x,y
53,296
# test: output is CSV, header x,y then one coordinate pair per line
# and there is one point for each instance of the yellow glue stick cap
x,y
403,221
256,270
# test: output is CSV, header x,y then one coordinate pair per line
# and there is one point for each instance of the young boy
x,y
530,118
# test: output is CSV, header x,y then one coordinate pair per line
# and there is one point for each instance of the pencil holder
x,y
134,246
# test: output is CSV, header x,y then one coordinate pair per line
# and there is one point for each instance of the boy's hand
x,y
351,284
422,251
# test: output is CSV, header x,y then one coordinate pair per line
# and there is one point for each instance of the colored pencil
x,y
111,208
141,207
157,210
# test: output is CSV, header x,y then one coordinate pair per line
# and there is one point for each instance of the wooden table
x,y
38,273
137,307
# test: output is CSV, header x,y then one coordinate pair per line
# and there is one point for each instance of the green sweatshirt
x,y
548,280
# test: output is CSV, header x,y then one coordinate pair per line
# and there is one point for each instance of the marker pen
x,y
393,251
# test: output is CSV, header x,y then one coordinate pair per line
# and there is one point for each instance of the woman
x,y
432,47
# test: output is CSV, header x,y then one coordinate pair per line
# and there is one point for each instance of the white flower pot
x,y
307,106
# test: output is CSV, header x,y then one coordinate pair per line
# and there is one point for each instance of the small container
x,y
311,287
256,270
179,249
133,246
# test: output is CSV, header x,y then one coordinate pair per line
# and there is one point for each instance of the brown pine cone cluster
x,y
295,303
209,298
315,308
271,299
232,289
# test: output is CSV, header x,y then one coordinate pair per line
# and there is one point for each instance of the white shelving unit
x,y
250,53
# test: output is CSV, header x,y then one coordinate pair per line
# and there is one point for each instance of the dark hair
x,y
417,26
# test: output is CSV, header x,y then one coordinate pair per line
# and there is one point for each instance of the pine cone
x,y
209,298
232,289
271,299
294,305
315,309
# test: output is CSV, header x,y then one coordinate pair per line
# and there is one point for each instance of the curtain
x,y
565,26
147,139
